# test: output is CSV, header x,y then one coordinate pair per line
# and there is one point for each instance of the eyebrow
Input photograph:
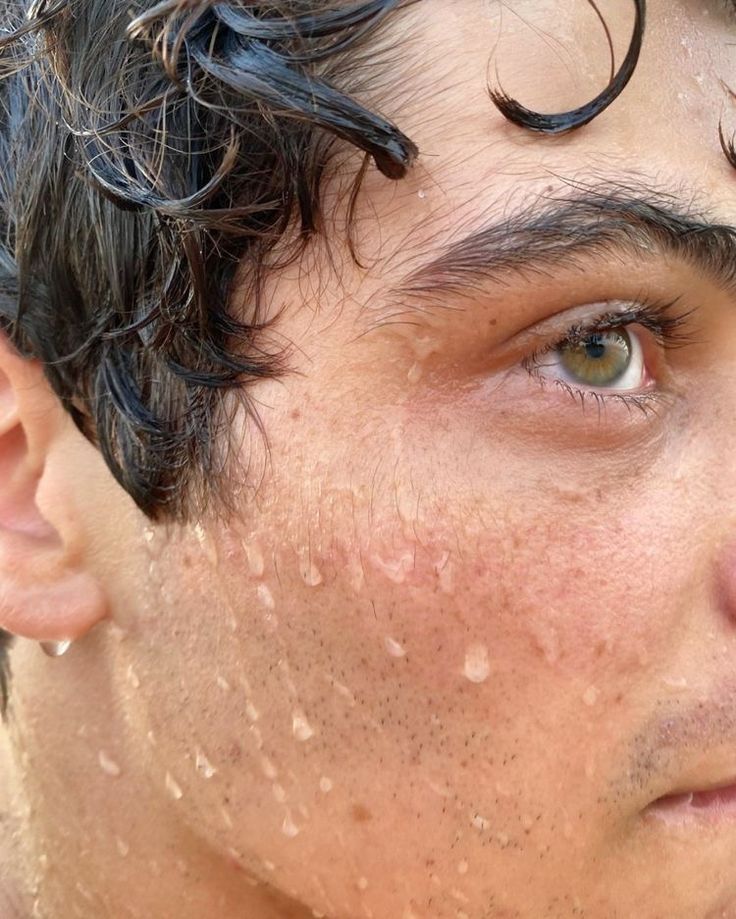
x,y
627,220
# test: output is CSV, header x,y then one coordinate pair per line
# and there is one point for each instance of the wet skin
x,y
466,625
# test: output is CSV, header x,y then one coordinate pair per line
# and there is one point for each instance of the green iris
x,y
598,359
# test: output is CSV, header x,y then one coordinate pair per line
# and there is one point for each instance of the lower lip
x,y
704,806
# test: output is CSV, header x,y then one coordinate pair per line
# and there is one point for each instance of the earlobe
x,y
46,593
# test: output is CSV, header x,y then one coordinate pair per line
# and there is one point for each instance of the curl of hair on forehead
x,y
563,122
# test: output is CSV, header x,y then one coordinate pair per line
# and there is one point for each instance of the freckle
x,y
360,813
296,414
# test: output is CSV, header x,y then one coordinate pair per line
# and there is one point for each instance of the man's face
x,y
470,625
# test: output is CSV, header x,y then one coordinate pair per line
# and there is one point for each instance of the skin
x,y
457,634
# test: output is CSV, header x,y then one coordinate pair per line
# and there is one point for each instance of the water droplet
x,y
255,733
503,839
477,665
395,569
421,193
673,682
590,696
148,534
269,770
122,846
206,542
55,648
527,821
108,765
265,597
341,689
326,785
393,647
415,373
288,827
268,865
251,711
301,728
226,818
173,787
84,891
462,867
203,765
151,738
255,559
356,574
480,823
458,895
223,684
362,883
279,792
311,575
132,677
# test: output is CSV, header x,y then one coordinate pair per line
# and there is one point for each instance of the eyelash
x,y
667,327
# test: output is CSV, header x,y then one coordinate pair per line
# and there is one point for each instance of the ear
x,y
46,591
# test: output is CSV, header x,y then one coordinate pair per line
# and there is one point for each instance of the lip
x,y
711,805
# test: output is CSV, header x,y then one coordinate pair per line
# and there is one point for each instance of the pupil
x,y
595,348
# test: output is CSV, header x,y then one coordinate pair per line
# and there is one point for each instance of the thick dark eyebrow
x,y
563,231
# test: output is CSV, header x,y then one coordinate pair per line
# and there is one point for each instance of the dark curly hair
x,y
147,152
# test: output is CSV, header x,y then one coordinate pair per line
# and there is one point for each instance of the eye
x,y
604,360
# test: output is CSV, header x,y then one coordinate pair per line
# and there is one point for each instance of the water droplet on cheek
x,y
173,787
301,728
223,684
310,573
325,785
590,696
393,647
288,827
203,765
132,677
265,597
416,372
477,667
462,867
255,559
108,765
362,883
122,846
206,543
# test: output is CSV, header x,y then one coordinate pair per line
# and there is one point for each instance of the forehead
x,y
553,56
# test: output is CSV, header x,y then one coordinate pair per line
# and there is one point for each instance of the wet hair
x,y
151,154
